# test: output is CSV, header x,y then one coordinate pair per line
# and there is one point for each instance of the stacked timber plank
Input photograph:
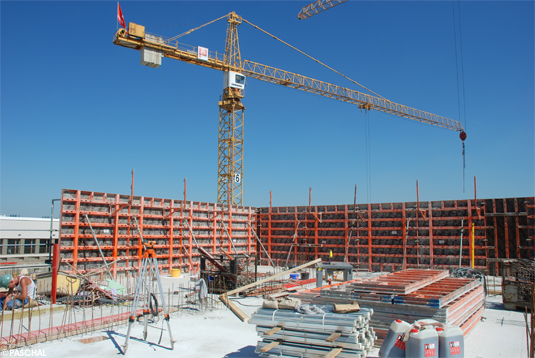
x,y
409,295
291,334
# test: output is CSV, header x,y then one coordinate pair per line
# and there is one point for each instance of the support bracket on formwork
x,y
96,240
405,244
171,211
358,219
216,214
260,242
316,216
191,232
187,255
347,246
229,238
213,260
478,210
293,244
121,207
422,212
258,218
356,211
138,229
289,253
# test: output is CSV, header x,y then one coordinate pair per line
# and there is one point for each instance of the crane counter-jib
x,y
270,74
183,53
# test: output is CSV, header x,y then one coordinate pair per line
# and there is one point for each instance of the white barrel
x,y
393,345
450,342
422,344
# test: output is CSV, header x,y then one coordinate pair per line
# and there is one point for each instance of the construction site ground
x,y
215,331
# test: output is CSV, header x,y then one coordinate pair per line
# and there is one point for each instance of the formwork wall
x,y
370,236
165,221
385,236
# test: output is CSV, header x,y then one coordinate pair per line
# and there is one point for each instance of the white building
x,y
26,238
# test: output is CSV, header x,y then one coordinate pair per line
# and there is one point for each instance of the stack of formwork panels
x,y
450,300
98,227
291,334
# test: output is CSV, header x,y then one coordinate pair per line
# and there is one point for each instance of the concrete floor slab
x,y
219,333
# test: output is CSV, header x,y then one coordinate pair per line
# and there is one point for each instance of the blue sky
x,y
78,112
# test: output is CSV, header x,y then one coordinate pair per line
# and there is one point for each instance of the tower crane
x,y
317,7
230,149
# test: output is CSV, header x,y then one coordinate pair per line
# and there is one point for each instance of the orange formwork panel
x,y
395,236
174,225
401,282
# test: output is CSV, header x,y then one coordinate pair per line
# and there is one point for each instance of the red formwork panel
x,y
393,236
385,236
176,226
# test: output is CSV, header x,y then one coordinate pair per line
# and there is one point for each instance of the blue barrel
x,y
294,276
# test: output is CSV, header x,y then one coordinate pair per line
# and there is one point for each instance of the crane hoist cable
x,y
459,86
368,157
318,61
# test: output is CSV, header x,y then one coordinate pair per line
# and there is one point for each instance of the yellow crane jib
x,y
317,7
154,48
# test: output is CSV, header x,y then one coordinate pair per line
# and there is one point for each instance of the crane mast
x,y
230,152
231,109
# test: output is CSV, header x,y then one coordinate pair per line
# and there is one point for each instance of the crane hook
x,y
462,135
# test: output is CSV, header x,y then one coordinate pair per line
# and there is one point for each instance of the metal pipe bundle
x,y
291,334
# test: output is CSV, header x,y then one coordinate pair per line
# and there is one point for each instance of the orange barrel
x,y
393,345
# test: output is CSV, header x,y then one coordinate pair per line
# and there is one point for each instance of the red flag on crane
x,y
120,17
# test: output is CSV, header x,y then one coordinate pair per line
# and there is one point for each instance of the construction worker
x,y
24,286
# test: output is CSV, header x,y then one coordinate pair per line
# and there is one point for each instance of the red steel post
x,y
496,248
76,230
316,235
405,229
171,223
517,225
55,261
430,218
506,229
370,258
470,233
269,221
